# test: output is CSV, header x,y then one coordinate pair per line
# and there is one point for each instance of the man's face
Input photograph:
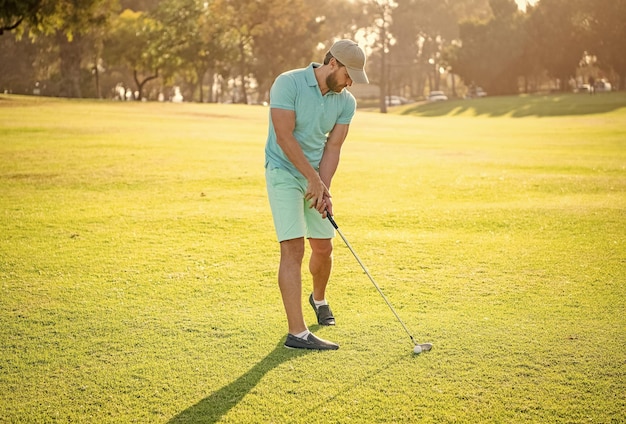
x,y
338,79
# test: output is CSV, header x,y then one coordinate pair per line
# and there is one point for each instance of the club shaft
x,y
334,224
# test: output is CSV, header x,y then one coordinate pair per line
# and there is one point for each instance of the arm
x,y
330,158
284,122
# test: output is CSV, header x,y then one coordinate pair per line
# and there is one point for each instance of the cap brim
x,y
357,76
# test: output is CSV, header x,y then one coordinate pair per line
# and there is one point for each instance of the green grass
x,y
524,106
138,262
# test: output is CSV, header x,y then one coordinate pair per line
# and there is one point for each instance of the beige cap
x,y
353,57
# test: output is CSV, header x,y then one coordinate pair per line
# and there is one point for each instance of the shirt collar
x,y
310,74
312,81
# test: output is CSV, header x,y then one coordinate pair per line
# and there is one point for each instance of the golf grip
x,y
334,224
332,221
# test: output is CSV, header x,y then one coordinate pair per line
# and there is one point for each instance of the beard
x,y
332,84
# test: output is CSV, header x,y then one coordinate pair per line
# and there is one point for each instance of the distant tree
x,y
14,13
294,36
289,39
139,5
17,73
405,71
195,40
422,31
491,51
506,48
131,43
467,10
503,9
64,36
380,13
244,20
217,48
68,22
45,16
607,34
557,38
77,27
179,41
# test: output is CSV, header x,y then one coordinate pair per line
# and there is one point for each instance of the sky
x,y
522,3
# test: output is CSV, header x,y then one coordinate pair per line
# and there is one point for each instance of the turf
x,y
138,261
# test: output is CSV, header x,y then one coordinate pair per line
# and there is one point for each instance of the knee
x,y
292,250
322,248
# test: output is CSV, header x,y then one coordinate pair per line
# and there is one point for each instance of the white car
x,y
396,100
602,85
480,92
437,96
475,93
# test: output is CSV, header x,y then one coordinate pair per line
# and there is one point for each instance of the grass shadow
x,y
215,406
523,106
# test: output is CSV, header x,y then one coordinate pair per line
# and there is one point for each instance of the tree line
x,y
231,50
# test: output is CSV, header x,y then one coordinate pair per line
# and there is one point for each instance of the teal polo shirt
x,y
316,116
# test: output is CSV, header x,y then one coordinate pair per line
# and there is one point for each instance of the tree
x,y
491,51
298,28
556,39
423,30
216,48
15,12
139,5
17,73
68,21
607,33
244,19
410,43
131,43
380,12
180,42
505,48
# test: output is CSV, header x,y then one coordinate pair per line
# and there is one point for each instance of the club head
x,y
426,346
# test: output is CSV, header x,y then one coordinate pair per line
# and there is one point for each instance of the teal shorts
x,y
292,216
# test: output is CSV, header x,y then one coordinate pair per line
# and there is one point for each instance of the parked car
x,y
583,88
480,92
396,100
602,85
598,86
477,92
437,96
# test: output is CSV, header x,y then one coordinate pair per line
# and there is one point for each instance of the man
x,y
310,112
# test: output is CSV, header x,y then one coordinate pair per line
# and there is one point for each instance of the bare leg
x,y
320,265
290,282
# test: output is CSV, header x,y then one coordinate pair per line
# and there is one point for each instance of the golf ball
x,y
417,349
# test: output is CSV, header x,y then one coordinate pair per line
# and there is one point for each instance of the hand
x,y
318,195
328,210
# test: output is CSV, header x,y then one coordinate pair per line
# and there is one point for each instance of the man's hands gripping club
x,y
318,196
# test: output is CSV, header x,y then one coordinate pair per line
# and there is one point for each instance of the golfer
x,y
310,112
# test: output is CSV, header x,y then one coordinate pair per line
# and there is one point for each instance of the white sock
x,y
303,335
319,303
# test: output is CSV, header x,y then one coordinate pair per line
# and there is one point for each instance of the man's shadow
x,y
213,407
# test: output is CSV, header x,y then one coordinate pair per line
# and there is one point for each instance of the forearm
x,y
329,164
294,153
332,152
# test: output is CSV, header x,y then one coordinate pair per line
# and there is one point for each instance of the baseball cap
x,y
353,57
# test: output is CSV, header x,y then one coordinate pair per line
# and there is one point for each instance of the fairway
x,y
138,266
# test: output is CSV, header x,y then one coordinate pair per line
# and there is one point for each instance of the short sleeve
x,y
283,93
348,110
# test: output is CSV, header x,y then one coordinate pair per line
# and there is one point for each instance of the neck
x,y
320,76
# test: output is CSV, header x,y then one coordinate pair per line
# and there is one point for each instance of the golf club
x,y
417,347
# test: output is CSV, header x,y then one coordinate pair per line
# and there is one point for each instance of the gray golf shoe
x,y
323,313
311,342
